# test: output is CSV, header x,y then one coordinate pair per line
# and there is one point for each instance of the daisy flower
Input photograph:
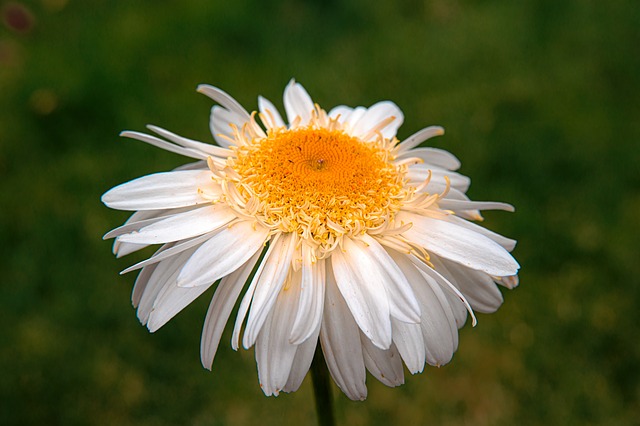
x,y
325,228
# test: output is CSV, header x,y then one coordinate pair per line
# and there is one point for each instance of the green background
x,y
541,102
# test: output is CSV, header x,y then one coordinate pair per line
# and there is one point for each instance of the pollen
x,y
318,182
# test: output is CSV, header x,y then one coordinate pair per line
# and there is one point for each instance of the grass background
x,y
541,102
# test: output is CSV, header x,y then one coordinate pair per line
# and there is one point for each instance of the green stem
x,y
322,389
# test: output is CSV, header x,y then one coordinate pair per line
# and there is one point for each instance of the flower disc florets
x,y
316,181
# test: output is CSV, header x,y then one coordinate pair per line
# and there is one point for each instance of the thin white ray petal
x,y
505,242
274,353
432,276
458,308
478,288
384,365
248,295
205,148
169,250
224,99
418,173
270,114
353,118
439,187
135,225
223,253
361,283
123,249
196,165
459,244
374,115
223,124
167,146
509,282
170,301
458,205
141,284
311,303
410,343
270,281
439,328
402,302
161,191
419,137
408,337
433,156
341,112
297,103
220,308
165,273
182,226
340,339
302,362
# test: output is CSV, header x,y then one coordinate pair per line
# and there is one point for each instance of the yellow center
x,y
318,182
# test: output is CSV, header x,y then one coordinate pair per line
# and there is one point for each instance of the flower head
x,y
344,235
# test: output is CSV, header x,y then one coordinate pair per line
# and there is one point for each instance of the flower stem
x,y
322,389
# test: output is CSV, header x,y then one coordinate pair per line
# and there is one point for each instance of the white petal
x,y
352,119
196,165
131,226
297,103
141,284
478,288
340,338
437,321
433,156
361,283
510,282
458,308
270,115
302,361
505,242
223,99
205,148
269,283
419,173
274,353
341,112
220,308
438,325
458,205
223,124
410,343
432,276
164,274
152,140
402,302
170,301
223,253
182,226
384,365
376,114
161,191
123,249
309,313
136,221
231,113
419,137
168,250
248,295
408,337
459,244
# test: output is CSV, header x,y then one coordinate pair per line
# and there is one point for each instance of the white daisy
x,y
348,236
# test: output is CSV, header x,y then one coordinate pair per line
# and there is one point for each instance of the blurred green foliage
x,y
541,101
